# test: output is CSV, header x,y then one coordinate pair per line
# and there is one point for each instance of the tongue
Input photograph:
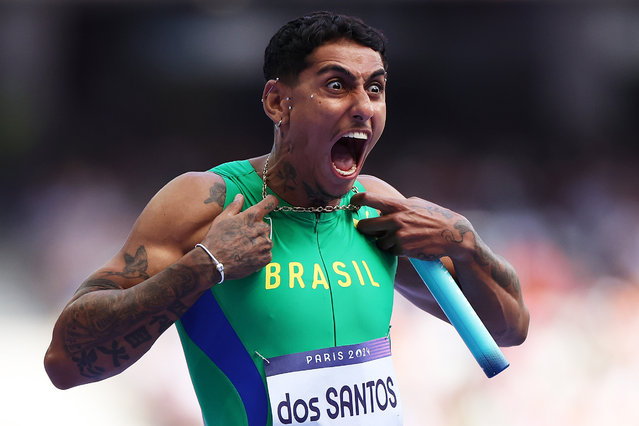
x,y
341,156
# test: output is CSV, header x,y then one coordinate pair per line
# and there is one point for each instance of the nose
x,y
362,109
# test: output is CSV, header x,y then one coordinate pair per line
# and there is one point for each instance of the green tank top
x,y
327,285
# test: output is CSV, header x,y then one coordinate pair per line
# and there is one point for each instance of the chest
x,y
326,285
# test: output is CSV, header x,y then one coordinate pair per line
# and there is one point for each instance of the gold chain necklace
x,y
322,209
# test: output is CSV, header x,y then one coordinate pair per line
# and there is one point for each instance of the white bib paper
x,y
344,385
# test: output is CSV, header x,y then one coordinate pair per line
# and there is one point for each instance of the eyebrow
x,y
347,73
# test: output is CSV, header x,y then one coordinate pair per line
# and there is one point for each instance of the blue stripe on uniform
x,y
210,330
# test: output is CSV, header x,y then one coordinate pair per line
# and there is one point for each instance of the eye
x,y
376,88
335,85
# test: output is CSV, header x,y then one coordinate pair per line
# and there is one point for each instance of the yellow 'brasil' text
x,y
348,274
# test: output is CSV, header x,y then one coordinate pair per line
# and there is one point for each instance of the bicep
x,y
173,221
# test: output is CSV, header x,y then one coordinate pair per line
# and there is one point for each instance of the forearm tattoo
x,y
104,326
500,270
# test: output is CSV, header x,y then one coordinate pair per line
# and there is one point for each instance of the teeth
x,y
346,172
356,135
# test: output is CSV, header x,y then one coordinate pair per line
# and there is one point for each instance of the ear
x,y
274,100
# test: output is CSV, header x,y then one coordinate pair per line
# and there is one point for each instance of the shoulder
x,y
179,215
207,187
378,186
190,193
190,198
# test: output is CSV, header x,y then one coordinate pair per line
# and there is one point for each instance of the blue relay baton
x,y
461,315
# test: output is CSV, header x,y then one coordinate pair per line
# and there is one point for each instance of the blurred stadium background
x,y
521,115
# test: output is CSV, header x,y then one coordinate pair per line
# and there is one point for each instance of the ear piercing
x,y
290,107
270,88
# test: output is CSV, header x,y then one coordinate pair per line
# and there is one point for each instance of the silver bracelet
x,y
218,265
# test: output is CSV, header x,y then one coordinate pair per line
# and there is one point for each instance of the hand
x,y
415,228
240,239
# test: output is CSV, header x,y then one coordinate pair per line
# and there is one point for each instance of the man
x,y
310,264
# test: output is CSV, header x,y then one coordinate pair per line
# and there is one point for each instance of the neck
x,y
283,179
288,181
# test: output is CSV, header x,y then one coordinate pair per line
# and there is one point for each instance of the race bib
x,y
344,385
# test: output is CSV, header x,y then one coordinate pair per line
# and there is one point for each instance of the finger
x,y
264,207
377,226
385,242
382,203
390,244
234,206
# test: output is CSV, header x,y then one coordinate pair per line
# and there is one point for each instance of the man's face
x,y
338,114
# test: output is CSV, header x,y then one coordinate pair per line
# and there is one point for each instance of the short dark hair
x,y
285,56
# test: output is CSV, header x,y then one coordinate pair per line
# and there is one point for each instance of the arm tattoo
x,y
433,209
137,337
135,266
85,361
500,270
163,323
178,308
117,352
505,275
96,284
104,327
217,194
461,227
100,284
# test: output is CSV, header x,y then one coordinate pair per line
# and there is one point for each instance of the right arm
x,y
119,311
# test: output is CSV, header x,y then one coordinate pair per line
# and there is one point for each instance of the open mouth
x,y
347,152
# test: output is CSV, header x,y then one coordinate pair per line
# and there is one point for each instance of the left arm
x,y
417,228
